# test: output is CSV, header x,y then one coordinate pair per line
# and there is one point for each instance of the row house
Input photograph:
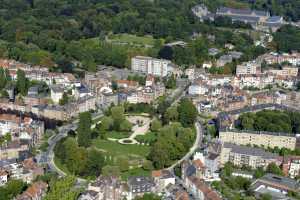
x,y
293,58
286,71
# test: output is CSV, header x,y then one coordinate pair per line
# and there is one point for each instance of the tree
x,y
170,82
125,126
12,189
111,171
117,113
62,189
187,112
64,100
274,169
22,83
122,163
171,114
259,172
84,129
95,162
148,197
106,123
155,125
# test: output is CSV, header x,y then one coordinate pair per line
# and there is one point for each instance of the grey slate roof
x,y
249,151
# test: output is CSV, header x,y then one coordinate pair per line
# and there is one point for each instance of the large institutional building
x,y
154,66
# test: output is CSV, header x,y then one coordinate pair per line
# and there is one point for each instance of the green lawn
x,y
117,134
61,166
134,172
149,138
117,149
132,39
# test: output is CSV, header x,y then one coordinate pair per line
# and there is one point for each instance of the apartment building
x,y
266,139
286,71
246,156
248,68
154,66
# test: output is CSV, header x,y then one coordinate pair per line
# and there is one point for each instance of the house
x,y
56,93
162,178
291,166
126,84
150,81
277,186
34,90
108,188
213,51
139,185
3,177
35,192
223,60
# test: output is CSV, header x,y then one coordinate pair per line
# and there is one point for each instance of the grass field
x,y
117,134
117,149
134,172
132,39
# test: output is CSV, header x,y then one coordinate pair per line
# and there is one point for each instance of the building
x,y
246,156
162,179
291,166
223,60
108,188
154,66
274,185
266,139
56,93
253,17
286,71
35,192
244,174
3,177
248,68
139,185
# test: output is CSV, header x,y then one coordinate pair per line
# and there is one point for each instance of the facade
x,y
266,139
154,66
162,179
246,156
248,68
3,177
139,185
108,188
56,93
291,166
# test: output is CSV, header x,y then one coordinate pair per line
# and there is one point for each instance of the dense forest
x,y
270,120
62,32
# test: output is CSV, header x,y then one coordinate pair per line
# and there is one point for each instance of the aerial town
x,y
119,101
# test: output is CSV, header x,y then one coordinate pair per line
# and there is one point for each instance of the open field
x,y
117,149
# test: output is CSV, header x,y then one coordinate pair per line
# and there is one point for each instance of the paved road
x,y
196,145
52,141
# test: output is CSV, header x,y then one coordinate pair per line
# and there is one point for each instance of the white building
x,y
149,65
56,93
3,177
248,68
294,168
198,89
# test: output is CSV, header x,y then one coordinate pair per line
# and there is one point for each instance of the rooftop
x,y
249,151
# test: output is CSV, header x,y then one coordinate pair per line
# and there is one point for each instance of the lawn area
x,y
118,134
117,149
132,39
134,172
61,166
149,138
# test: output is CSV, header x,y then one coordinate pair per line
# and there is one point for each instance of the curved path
x,y
52,141
137,130
197,144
